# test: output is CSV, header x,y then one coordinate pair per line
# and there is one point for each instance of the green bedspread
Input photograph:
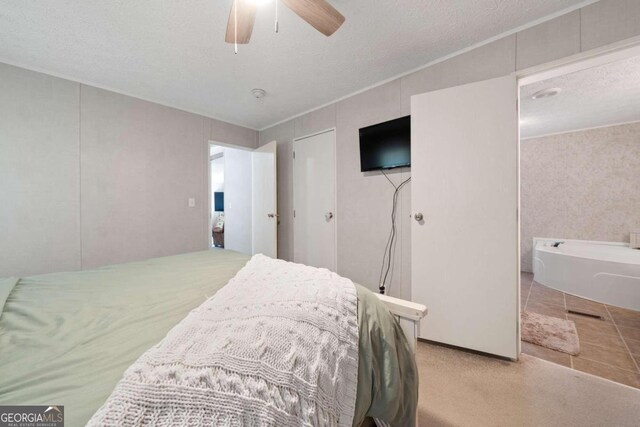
x,y
67,338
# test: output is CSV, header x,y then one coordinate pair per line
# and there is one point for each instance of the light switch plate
x,y
192,202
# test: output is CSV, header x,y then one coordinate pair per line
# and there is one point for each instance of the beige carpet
x,y
465,389
551,332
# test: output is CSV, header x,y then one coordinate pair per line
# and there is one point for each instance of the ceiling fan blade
x,y
245,18
318,13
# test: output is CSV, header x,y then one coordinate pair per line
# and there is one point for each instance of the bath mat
x,y
551,332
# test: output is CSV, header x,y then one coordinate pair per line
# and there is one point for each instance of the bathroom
x,y
580,219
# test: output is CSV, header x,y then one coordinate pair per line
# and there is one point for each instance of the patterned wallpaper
x,y
580,185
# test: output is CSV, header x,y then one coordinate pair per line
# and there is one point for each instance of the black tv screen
x,y
386,145
218,201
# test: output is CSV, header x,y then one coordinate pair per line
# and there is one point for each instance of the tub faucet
x,y
556,244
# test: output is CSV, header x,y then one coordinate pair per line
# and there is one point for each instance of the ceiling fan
x,y
318,13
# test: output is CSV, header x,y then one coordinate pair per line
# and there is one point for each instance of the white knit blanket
x,y
277,346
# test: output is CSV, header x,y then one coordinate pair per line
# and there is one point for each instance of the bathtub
x,y
606,272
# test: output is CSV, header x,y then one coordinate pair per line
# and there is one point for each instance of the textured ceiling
x,y
599,96
172,52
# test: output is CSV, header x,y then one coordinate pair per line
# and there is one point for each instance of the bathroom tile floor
x,y
609,345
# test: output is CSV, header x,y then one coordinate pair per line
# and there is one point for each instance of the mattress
x,y
67,338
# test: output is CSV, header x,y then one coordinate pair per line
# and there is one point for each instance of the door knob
x,y
418,217
328,216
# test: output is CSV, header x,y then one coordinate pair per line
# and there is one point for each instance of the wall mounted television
x,y
386,145
218,201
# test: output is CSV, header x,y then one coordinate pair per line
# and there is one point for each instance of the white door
x,y
264,201
464,252
314,230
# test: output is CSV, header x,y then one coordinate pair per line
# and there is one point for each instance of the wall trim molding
x,y
443,58
314,134
119,92
580,61
580,130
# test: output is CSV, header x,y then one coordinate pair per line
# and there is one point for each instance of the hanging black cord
x,y
388,179
389,239
394,230
386,246
392,235
389,247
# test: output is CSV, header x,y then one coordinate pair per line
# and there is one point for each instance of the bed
x,y
67,338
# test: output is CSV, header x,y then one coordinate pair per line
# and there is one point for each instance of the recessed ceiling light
x,y
546,93
258,93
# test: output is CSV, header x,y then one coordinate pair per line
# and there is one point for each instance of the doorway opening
x,y
216,166
579,203
230,207
242,199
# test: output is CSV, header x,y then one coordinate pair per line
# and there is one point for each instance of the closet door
x,y
314,197
464,253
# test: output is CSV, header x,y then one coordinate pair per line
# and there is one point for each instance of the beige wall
x,y
39,173
90,177
45,161
581,185
364,200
